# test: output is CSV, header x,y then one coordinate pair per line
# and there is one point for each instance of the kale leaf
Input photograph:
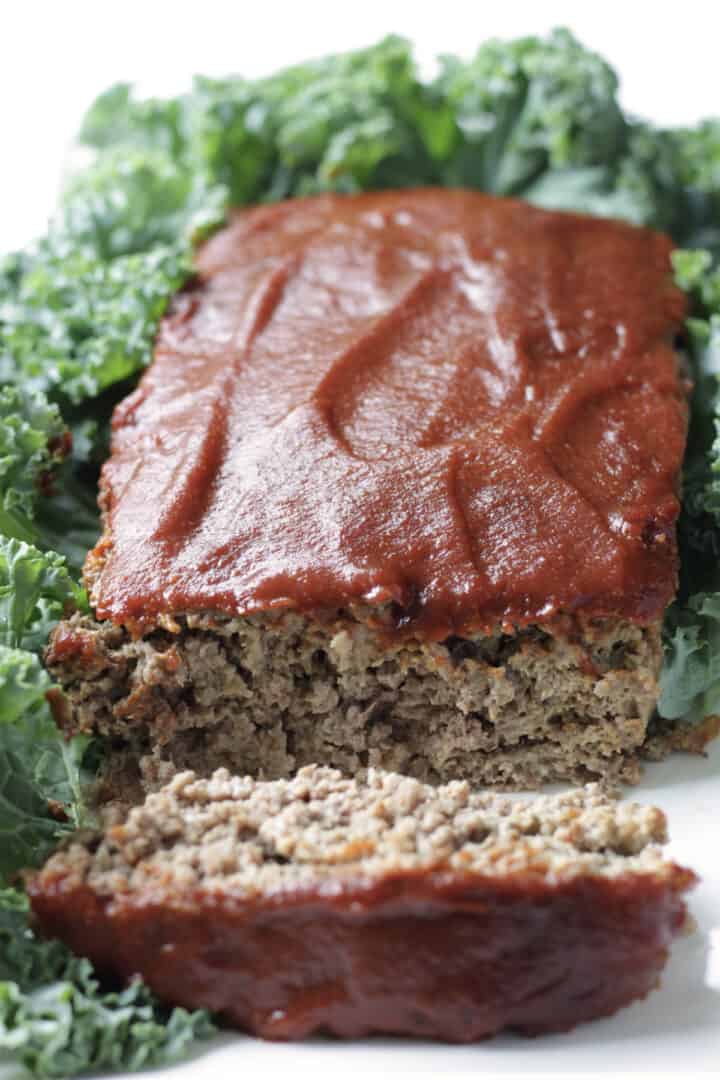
x,y
690,679
35,590
31,444
41,773
76,324
129,201
344,123
528,107
56,1019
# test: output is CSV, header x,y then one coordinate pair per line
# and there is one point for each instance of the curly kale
x,y
58,1021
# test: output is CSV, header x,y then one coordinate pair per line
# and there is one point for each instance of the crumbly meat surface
x,y
268,694
238,834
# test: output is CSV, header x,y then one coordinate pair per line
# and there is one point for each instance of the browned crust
x,y
676,736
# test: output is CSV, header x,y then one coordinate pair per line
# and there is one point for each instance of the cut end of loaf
x,y
266,695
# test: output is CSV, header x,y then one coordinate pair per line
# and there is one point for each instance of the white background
x,y
54,57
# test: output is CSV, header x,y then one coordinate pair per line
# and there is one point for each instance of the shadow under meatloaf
x,y
353,907
398,490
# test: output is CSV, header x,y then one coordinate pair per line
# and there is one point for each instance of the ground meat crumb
x,y
229,831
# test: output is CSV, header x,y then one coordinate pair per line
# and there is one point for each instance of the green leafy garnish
x,y
31,444
129,201
41,782
35,589
57,1020
346,123
42,774
690,679
77,325
529,108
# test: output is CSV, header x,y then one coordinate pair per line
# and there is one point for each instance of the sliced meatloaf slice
x,y
379,906
399,489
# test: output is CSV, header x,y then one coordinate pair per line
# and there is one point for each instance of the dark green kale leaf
x,y
641,184
68,520
690,679
697,221
673,178
347,123
528,107
35,591
41,773
77,325
31,444
129,201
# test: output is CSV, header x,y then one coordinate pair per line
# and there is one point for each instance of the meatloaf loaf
x,y
398,490
329,904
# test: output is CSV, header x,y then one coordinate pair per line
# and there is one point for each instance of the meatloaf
x,y
398,490
351,907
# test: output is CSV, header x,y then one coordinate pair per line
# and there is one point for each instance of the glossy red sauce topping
x,y
458,403
455,957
